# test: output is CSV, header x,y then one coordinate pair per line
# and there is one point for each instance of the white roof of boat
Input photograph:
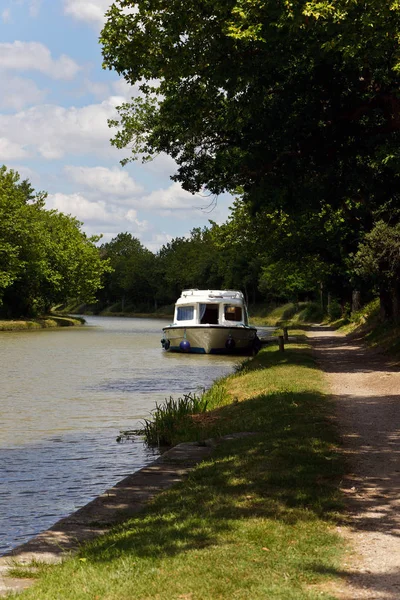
x,y
196,295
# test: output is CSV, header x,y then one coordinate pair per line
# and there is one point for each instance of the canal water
x,y
65,395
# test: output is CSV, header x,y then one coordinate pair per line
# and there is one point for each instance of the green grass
x,y
366,319
287,314
256,521
273,315
39,323
381,336
170,420
385,337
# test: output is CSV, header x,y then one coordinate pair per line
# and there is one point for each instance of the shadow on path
x,y
366,391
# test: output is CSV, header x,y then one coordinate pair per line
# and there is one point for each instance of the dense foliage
x,y
294,105
296,102
45,258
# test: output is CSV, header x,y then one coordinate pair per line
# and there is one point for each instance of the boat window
x,y
233,313
209,314
185,313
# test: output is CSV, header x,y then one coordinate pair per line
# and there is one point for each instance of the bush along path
x,y
256,519
366,391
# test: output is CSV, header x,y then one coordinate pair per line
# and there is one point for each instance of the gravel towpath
x,y
366,389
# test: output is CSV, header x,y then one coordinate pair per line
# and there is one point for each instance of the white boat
x,y
211,322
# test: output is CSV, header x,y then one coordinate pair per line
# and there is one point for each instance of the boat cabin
x,y
211,307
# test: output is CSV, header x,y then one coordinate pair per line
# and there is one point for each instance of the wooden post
x,y
285,334
281,343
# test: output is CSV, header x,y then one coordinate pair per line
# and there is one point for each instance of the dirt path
x,y
366,388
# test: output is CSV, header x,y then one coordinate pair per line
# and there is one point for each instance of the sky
x,y
55,100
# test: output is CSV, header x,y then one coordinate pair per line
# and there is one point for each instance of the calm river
x,y
65,394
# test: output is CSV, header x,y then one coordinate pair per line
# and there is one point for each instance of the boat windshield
x,y
185,313
209,314
233,313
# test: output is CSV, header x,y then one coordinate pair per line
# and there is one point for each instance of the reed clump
x,y
170,420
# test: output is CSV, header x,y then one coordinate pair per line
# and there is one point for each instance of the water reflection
x,y
65,395
48,480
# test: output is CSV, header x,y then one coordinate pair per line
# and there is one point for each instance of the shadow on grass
x,y
387,585
287,473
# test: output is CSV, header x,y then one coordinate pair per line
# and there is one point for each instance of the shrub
x,y
334,310
311,313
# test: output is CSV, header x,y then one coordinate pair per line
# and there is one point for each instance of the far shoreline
x,y
45,322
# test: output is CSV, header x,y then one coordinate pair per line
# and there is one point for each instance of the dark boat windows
x,y
233,313
209,314
185,313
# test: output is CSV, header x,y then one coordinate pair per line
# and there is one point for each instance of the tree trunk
x,y
396,303
386,304
321,292
355,301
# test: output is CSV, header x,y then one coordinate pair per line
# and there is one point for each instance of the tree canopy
x,y
45,258
295,102
293,105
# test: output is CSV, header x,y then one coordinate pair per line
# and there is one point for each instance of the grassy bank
x,y
39,323
366,324
255,521
291,313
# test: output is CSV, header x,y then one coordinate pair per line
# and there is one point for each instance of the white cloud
x,y
91,11
124,89
26,173
157,240
162,164
34,7
6,15
18,92
53,131
97,89
112,182
79,206
173,198
10,150
97,216
175,202
34,56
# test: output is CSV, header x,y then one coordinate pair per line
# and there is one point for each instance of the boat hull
x,y
210,339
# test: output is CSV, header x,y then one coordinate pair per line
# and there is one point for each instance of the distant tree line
x,y
273,256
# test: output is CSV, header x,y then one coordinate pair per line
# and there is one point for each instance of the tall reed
x,y
172,416
170,420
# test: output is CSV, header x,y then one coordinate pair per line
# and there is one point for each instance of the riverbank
x,y
257,519
138,315
40,323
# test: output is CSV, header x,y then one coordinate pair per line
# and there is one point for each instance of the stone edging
x,y
114,506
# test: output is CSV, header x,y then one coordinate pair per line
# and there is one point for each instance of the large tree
x,y
132,283
45,258
296,102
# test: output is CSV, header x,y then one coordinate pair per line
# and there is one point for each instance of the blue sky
x,y
55,100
